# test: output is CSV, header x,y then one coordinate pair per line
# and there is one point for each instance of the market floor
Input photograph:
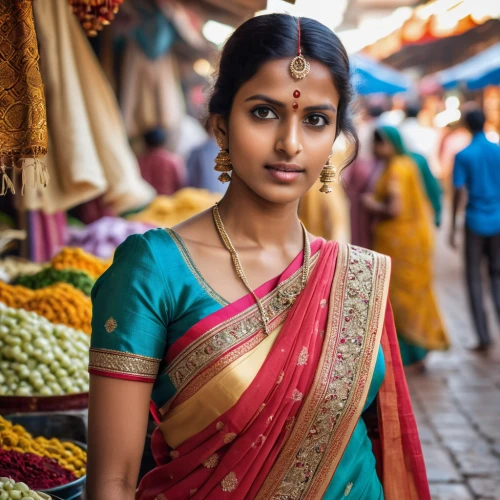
x,y
457,400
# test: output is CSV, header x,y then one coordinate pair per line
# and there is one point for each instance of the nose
x,y
289,140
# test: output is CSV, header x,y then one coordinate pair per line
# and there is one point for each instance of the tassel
x,y
23,179
44,174
6,182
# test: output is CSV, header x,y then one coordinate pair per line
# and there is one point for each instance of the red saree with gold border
x,y
269,417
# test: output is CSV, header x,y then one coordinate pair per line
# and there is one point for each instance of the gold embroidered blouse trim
x,y
123,362
289,295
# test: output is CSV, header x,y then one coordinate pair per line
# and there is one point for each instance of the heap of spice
x,y
66,454
76,258
49,276
60,303
41,473
168,211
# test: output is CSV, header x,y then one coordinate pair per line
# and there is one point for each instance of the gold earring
x,y
327,176
223,163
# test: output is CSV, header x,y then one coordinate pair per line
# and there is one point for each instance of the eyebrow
x,y
279,104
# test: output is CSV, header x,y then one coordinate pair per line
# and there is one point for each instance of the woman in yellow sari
x,y
404,232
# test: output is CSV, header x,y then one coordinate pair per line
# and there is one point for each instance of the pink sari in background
x,y
359,179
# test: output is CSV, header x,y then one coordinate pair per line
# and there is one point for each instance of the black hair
x,y
275,36
475,120
375,111
155,137
377,137
413,109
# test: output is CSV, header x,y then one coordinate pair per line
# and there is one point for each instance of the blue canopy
x,y
372,77
477,72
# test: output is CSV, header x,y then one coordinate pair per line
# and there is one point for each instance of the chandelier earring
x,y
223,163
327,176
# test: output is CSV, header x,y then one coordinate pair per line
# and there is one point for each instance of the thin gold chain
x,y
241,274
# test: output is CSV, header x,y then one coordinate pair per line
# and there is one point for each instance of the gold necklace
x,y
287,296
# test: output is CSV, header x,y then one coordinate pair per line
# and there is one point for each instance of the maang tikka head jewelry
x,y
223,163
299,67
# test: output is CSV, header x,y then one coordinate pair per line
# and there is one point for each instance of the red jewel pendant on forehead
x,y
295,105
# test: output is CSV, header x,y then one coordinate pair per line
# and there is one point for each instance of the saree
x,y
408,240
257,416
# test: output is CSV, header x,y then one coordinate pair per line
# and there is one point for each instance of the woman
x,y
256,346
404,231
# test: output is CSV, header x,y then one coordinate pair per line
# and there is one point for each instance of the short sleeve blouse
x,y
150,297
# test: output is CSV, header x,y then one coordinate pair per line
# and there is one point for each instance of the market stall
x,y
475,73
372,77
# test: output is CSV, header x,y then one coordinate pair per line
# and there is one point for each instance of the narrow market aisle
x,y
457,400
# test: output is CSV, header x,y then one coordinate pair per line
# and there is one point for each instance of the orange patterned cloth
x,y
23,122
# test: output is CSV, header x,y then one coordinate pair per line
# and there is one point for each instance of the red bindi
x,y
295,106
296,94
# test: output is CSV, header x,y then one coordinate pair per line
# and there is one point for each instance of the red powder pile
x,y
39,473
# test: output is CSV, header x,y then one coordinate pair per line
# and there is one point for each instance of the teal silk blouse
x,y
154,293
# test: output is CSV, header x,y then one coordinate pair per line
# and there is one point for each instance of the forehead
x,y
275,80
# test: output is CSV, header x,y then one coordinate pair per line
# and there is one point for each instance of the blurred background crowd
x,y
115,117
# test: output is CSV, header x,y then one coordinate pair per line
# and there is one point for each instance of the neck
x,y
252,221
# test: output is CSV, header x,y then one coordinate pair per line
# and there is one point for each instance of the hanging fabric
x,y
23,122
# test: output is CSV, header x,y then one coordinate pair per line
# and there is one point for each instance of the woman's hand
x,y
369,202
118,418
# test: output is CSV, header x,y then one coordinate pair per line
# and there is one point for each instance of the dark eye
x,y
317,120
264,113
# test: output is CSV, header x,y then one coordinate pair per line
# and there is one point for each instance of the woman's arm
x,y
118,419
392,204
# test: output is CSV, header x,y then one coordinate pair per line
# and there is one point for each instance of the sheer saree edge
x,y
400,457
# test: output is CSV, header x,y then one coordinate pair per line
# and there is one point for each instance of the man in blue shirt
x,y
477,170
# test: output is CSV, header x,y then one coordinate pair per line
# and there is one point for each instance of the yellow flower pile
x,y
68,455
14,296
167,211
59,303
76,258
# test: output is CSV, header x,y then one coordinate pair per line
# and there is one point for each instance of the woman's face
x,y
383,149
277,151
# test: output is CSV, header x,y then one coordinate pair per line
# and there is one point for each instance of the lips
x,y
284,172
285,167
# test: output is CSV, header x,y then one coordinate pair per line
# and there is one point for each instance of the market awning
x,y
477,72
372,77
232,12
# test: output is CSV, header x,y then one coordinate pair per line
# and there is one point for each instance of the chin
x,y
280,195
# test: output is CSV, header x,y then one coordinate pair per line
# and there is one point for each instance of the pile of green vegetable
x,y
10,490
49,276
40,358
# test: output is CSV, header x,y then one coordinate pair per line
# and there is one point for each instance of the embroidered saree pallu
x,y
246,415
275,422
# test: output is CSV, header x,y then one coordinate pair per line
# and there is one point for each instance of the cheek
x,y
248,138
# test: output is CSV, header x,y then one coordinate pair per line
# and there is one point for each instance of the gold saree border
x,y
123,363
223,344
310,456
